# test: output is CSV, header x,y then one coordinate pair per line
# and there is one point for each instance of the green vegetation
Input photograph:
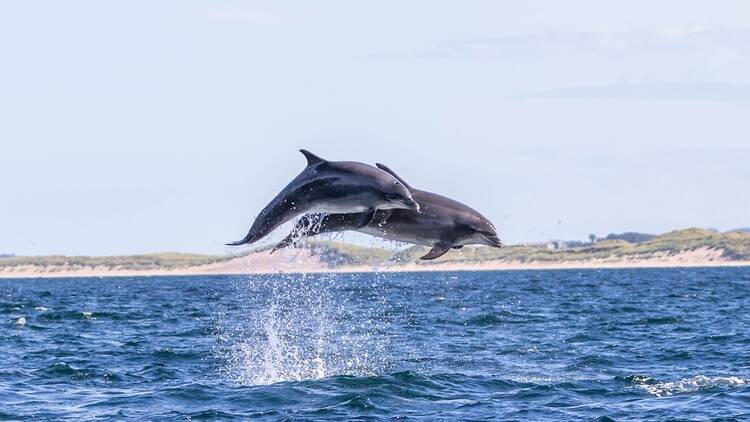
x,y
155,261
631,237
732,246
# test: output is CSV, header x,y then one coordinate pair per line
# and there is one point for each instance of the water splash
x,y
292,328
689,385
308,225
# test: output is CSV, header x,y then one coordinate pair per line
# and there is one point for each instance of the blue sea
x,y
622,345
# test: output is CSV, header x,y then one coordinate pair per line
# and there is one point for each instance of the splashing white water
x,y
310,225
292,328
689,385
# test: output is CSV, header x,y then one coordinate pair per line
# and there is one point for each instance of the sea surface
x,y
631,344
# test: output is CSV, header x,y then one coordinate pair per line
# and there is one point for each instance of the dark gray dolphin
x,y
336,187
441,223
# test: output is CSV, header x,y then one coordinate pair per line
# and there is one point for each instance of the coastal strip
x,y
683,248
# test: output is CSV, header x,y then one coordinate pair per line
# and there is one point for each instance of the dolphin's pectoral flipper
x,y
438,250
365,218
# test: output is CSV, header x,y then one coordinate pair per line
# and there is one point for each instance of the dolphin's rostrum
x,y
442,223
336,187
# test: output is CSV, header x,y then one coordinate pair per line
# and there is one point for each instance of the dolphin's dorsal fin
x,y
312,159
386,169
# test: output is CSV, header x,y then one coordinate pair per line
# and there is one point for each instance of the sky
x,y
133,127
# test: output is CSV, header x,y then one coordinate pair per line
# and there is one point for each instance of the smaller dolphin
x,y
442,224
332,186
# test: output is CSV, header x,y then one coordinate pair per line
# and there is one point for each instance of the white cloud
x,y
666,91
599,40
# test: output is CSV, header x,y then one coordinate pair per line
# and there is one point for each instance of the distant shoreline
x,y
689,248
192,272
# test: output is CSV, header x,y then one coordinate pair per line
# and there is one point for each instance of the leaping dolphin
x,y
335,187
442,223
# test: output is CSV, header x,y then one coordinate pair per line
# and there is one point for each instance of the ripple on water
x,y
529,345
660,320
63,315
62,370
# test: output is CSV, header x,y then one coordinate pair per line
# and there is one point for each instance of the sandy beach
x,y
303,261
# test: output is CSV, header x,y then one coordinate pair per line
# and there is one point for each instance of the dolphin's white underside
x,y
336,208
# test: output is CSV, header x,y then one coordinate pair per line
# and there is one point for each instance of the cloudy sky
x,y
150,126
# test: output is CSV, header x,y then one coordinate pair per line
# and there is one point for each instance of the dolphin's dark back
x,y
442,223
339,186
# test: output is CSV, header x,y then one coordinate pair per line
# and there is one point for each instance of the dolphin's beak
x,y
411,204
492,240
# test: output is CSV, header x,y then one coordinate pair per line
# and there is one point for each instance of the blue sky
x,y
151,126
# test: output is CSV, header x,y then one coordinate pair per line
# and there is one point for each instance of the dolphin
x,y
442,223
336,187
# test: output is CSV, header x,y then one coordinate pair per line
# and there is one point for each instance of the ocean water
x,y
646,344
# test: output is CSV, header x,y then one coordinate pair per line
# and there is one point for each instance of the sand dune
x,y
306,261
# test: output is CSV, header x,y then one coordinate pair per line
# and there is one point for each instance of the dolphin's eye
x,y
395,182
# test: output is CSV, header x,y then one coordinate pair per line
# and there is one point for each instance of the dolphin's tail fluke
x,y
249,238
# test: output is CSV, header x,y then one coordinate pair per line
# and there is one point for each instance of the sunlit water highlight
x,y
526,345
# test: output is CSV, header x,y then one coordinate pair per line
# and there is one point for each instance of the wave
x,y
157,372
494,318
167,354
66,315
488,319
67,371
63,315
685,385
660,320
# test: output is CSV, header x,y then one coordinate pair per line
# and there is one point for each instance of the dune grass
x,y
154,261
733,246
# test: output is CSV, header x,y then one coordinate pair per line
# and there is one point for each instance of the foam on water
x,y
689,385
